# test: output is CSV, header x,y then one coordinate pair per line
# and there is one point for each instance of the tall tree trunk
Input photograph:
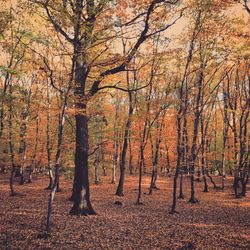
x,y
96,163
167,166
181,195
22,146
82,204
23,133
102,153
207,167
215,142
144,138
195,133
184,168
225,135
203,144
7,82
181,106
57,162
61,123
115,144
81,189
51,199
11,146
130,156
155,154
139,197
119,190
1,119
179,154
98,153
48,140
236,169
34,156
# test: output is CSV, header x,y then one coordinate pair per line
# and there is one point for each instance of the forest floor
x,y
217,221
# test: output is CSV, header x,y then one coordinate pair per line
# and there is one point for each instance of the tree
x,y
87,25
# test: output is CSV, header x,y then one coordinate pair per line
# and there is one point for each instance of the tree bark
x,y
119,190
115,144
139,197
82,204
48,140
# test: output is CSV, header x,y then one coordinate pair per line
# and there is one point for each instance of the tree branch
x,y
53,21
246,6
143,36
122,89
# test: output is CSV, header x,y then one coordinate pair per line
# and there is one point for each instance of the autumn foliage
x,y
96,93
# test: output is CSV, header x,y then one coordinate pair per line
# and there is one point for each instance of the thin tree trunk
x,y
179,154
11,146
195,133
185,147
61,123
130,156
119,190
34,161
51,199
225,136
180,111
207,168
155,154
102,153
96,163
203,144
98,153
181,195
23,134
167,160
139,197
48,139
115,145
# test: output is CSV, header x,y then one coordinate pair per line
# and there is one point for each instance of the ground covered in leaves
x,y
218,221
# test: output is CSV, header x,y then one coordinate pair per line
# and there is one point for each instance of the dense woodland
x,y
96,92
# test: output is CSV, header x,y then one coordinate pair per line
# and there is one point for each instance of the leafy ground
x,y
218,221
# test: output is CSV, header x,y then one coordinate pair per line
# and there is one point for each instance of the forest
x,y
124,124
